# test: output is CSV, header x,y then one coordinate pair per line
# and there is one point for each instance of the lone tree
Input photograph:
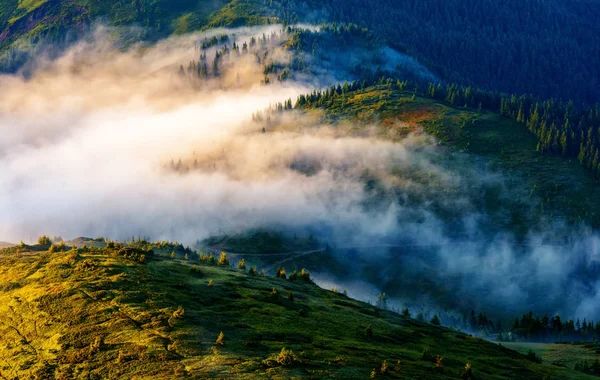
x,y
242,264
435,320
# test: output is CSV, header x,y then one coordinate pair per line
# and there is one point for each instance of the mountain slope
x,y
512,48
97,313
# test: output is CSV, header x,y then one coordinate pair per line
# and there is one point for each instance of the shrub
x,y
467,373
369,331
179,313
186,257
533,357
242,264
398,366
86,265
285,358
373,374
203,257
97,344
221,339
384,367
305,275
439,364
253,271
211,283
262,273
173,255
274,294
290,296
44,240
211,259
72,257
223,260
134,255
293,276
280,273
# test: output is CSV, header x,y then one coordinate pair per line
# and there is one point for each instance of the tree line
x,y
561,127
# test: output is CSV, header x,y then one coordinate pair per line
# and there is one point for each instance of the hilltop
x,y
134,310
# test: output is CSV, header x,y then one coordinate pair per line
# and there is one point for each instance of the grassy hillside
x,y
25,24
540,186
109,313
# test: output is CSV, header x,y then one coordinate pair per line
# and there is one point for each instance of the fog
x,y
85,140
89,140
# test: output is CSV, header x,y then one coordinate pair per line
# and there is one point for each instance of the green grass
x,y
563,355
92,314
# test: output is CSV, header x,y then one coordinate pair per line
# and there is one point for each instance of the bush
x,y
44,240
179,313
285,358
274,295
223,260
211,259
134,255
72,258
280,273
439,363
305,275
242,264
293,276
384,367
532,356
220,339
253,271
467,373
398,366
86,265
369,331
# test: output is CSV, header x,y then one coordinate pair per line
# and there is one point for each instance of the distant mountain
x,y
512,46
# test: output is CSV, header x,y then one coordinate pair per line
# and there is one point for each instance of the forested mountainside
x,y
544,48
